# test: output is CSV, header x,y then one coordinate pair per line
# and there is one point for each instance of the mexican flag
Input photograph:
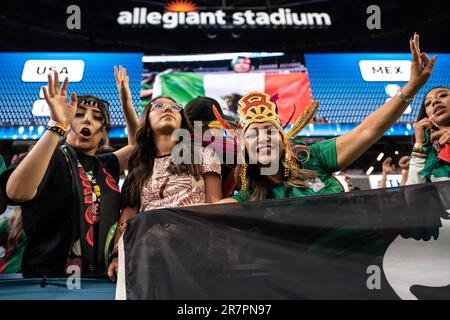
x,y
293,89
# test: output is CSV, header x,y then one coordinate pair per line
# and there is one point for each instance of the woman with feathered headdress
x,y
273,167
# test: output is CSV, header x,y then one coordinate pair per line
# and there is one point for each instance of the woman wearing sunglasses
x,y
166,171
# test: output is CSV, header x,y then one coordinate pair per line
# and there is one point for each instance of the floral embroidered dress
x,y
165,189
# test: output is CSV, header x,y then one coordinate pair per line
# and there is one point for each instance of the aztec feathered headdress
x,y
257,107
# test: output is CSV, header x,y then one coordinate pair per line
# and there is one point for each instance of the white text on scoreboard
x,y
37,70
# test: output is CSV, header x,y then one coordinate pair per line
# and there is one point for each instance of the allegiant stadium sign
x,y
283,17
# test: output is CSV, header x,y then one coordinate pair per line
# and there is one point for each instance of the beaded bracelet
x,y
418,154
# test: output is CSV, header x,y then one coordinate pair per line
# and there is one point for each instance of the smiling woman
x,y
310,171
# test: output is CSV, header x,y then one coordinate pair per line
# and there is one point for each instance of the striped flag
x,y
293,88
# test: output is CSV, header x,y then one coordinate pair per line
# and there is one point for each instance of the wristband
x,y
59,131
404,97
112,256
418,150
53,123
418,154
418,146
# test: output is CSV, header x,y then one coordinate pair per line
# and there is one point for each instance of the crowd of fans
x,y
65,206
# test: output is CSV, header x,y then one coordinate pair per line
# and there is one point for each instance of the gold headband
x,y
256,107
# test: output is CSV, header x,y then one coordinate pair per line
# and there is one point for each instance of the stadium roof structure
x,y
41,26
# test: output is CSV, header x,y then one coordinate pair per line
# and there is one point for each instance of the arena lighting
x,y
210,57
211,35
235,35
396,153
380,156
369,171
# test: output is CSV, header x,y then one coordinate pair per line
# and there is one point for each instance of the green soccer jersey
x,y
323,162
2,164
435,169
12,261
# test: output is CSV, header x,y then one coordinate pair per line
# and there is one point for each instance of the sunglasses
x,y
90,101
161,106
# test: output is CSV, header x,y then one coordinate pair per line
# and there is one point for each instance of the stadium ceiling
x,y
41,26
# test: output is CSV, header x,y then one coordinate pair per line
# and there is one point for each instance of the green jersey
x,y
323,161
12,261
2,165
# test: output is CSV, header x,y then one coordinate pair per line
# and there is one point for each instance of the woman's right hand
x,y
60,110
419,129
113,269
421,67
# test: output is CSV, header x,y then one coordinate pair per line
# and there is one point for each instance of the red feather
x,y
290,118
223,123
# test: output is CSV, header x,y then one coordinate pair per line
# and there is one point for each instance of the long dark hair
x,y
16,230
422,111
143,158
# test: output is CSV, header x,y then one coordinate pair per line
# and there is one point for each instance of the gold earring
x,y
243,175
287,160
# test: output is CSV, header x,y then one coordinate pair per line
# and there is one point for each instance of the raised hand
x,y
60,110
129,112
403,163
122,82
387,166
421,66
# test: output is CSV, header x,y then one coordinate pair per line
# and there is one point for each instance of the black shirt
x,y
47,219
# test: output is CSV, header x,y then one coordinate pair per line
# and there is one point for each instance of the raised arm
x,y
23,183
403,163
386,170
129,113
126,101
353,144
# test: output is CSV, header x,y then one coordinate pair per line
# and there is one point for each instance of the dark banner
x,y
380,244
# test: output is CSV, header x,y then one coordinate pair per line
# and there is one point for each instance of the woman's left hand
x,y
442,136
122,82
